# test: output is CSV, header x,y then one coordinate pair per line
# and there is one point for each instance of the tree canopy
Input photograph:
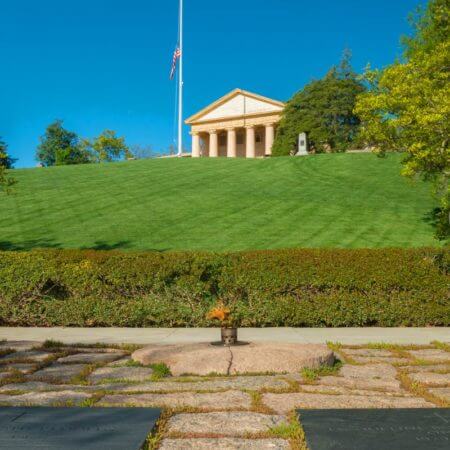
x,y
408,105
107,147
6,162
324,110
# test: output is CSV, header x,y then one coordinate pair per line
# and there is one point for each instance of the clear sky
x,y
101,64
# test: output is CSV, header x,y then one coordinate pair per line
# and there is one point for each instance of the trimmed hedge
x,y
298,288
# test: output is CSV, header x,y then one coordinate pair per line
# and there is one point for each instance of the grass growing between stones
x,y
292,431
322,371
442,345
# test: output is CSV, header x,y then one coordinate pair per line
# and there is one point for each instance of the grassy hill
x,y
343,200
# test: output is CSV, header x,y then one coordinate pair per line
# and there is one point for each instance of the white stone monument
x,y
302,145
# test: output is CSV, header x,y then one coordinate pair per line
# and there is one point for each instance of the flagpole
x,y
180,86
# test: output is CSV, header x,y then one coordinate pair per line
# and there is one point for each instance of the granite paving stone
x,y
120,373
44,398
375,359
431,354
283,403
442,393
90,358
19,345
367,352
21,367
217,401
224,423
58,372
431,378
328,389
41,386
427,368
250,382
224,444
32,355
120,362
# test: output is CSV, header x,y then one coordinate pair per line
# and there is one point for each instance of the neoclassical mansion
x,y
240,124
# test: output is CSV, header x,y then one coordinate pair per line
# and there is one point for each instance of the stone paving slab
x,y
224,444
90,358
216,401
428,368
312,388
44,398
442,393
203,359
431,379
58,372
32,355
379,353
431,354
21,367
41,386
120,362
373,359
120,373
251,383
19,345
283,403
224,423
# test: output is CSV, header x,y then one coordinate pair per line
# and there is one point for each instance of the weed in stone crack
x,y
160,370
89,402
314,374
14,376
257,404
292,431
49,344
6,351
442,345
154,439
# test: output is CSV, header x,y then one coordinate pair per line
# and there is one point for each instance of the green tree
x,y
324,110
107,147
6,162
59,146
408,105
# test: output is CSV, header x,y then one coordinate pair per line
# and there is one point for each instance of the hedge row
x,y
299,288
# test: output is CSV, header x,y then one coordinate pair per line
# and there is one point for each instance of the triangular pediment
x,y
237,103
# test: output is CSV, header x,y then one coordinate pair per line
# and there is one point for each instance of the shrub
x,y
299,288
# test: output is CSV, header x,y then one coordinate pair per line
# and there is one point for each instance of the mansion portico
x,y
240,124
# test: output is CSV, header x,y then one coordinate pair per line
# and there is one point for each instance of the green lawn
x,y
341,200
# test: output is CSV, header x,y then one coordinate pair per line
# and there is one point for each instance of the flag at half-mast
x,y
176,57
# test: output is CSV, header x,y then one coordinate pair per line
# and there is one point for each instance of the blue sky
x,y
101,64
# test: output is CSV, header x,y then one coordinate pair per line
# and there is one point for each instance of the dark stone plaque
x,y
376,429
75,428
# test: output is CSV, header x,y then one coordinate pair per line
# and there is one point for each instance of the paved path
x,y
228,412
418,336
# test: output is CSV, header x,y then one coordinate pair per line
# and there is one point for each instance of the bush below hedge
x,y
298,288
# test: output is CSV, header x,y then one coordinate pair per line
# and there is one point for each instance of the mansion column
x,y
231,143
195,144
250,142
213,144
270,133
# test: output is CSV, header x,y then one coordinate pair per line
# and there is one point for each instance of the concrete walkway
x,y
355,336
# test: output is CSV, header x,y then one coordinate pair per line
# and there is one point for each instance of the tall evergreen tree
x,y
324,110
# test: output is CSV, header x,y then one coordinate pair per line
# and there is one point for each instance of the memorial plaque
x,y
75,428
376,429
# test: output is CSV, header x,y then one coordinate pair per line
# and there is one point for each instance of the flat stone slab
x,y
44,398
224,423
91,358
120,373
20,367
321,389
428,368
19,345
29,355
375,359
224,444
372,352
75,428
217,401
249,382
283,403
204,359
431,354
431,378
58,372
413,429
369,376
442,393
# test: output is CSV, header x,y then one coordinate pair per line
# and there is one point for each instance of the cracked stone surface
x,y
90,358
224,444
442,393
32,355
120,373
250,383
44,398
218,401
224,423
203,359
431,354
431,379
41,386
283,403
346,391
58,372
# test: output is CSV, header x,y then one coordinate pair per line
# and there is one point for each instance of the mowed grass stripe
x,y
341,200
